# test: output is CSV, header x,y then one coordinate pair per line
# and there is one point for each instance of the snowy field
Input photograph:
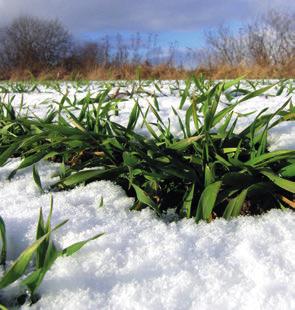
x,y
143,262
38,102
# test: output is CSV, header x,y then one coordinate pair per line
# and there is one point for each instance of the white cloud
x,y
135,15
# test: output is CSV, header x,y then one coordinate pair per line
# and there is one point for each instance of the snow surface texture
x,y
142,262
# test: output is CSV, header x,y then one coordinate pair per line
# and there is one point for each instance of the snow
x,y
143,262
38,102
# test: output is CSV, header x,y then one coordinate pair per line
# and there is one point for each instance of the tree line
x,y
267,41
33,44
30,46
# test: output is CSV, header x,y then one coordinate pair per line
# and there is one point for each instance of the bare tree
x,y
270,40
171,56
153,54
258,48
104,52
122,51
88,54
135,48
30,42
279,30
228,48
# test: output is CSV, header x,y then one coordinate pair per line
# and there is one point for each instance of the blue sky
x,y
184,39
175,20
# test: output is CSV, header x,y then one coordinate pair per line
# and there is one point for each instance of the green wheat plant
x,y
213,170
33,263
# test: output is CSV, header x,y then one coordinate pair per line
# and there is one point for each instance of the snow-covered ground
x,y
142,262
38,102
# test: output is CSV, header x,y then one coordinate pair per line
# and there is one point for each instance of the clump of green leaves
x,y
34,262
213,170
